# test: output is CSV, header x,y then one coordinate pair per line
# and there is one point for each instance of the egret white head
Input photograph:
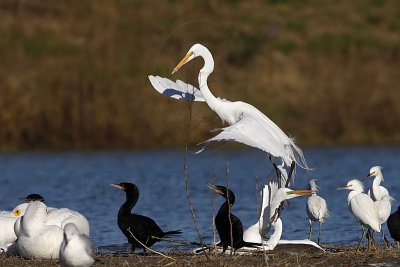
x,y
354,185
70,230
313,185
375,171
195,51
19,210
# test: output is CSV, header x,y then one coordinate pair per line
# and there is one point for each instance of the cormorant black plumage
x,y
142,228
225,221
393,224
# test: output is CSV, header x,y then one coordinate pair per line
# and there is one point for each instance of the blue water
x,y
80,181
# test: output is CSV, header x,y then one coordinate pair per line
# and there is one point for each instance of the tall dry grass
x,y
73,74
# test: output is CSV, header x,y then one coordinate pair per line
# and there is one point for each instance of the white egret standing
x,y
362,207
247,124
384,207
377,191
316,209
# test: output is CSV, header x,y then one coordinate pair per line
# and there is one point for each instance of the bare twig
x,y
159,253
213,209
229,206
186,177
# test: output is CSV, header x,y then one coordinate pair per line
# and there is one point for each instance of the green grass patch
x,y
41,47
286,47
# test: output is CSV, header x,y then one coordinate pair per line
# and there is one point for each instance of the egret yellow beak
x,y
117,186
300,192
182,62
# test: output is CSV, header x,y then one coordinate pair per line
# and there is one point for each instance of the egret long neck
x,y
207,69
276,235
378,179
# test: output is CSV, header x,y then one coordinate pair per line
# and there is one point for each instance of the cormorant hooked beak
x,y
184,60
215,189
118,186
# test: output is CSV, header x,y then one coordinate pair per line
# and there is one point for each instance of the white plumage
x,y
247,124
316,209
377,192
59,217
362,207
36,239
272,197
76,249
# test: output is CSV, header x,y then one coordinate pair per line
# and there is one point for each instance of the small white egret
x,y
76,248
316,209
377,191
362,207
36,239
248,125
384,207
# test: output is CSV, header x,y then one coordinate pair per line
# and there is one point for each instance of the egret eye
x,y
16,212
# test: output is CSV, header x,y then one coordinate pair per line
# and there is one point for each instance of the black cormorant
x,y
144,229
225,221
393,224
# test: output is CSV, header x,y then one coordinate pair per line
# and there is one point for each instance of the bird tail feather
x,y
172,233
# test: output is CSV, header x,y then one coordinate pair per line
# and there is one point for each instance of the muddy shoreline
x,y
334,256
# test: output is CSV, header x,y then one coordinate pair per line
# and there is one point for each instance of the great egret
x,y
36,239
140,230
247,124
229,227
377,191
272,197
316,209
362,207
393,224
76,248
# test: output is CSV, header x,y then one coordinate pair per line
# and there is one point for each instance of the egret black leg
x,y
319,233
362,237
310,232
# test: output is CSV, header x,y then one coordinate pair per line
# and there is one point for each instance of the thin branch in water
x,y
229,206
159,253
213,209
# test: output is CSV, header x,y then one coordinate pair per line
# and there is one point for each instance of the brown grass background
x,y
73,74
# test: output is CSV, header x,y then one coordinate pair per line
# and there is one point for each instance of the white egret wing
x,y
363,208
176,90
251,132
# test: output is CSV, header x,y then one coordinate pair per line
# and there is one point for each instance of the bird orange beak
x,y
301,192
182,62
